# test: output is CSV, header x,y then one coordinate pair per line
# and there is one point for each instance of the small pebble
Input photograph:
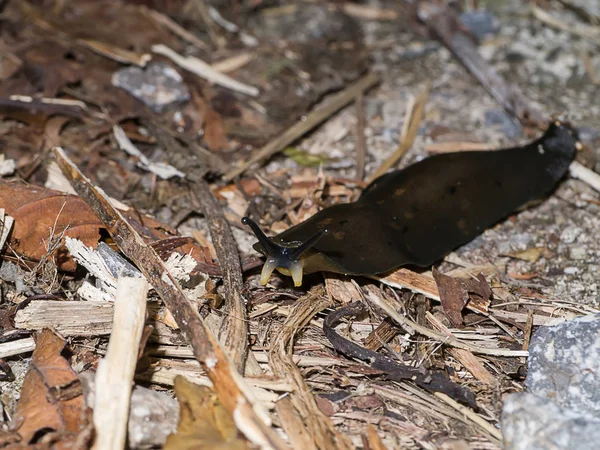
x,y
158,85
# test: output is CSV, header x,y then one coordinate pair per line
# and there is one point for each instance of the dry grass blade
x,y
311,121
115,372
412,121
319,427
231,388
204,70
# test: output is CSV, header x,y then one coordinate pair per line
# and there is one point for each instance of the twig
x,y
589,33
361,151
465,357
174,27
201,7
412,121
204,70
447,340
468,413
443,24
300,128
17,347
115,372
234,333
233,392
586,175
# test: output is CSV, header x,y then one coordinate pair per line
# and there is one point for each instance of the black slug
x,y
419,214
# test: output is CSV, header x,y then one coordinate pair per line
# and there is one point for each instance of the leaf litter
x,y
406,360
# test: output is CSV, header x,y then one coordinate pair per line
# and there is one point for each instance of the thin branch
x,y
302,127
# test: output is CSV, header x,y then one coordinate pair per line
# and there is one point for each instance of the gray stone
x,y
158,85
530,422
562,408
480,22
498,117
564,364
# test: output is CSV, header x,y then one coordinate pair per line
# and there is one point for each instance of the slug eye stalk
x,y
286,259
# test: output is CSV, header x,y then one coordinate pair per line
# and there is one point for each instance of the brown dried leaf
x,y
43,214
454,293
531,255
51,395
203,421
215,136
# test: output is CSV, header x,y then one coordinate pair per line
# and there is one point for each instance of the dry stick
x,y
17,347
586,175
300,128
469,414
233,392
412,121
361,151
114,377
444,25
234,333
465,357
174,27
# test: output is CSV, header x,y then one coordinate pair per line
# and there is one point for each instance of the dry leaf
x,y
51,398
203,421
454,293
531,255
42,215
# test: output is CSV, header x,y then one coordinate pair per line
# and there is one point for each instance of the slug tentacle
x,y
270,247
296,253
286,259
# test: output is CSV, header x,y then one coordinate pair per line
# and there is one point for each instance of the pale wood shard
x,y
586,175
17,347
67,318
469,414
6,224
114,377
251,419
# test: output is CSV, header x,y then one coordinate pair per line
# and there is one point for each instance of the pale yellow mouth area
x,y
295,271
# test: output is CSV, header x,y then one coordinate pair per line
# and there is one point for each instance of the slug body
x,y
419,214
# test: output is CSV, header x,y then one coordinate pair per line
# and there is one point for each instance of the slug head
x,y
286,258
